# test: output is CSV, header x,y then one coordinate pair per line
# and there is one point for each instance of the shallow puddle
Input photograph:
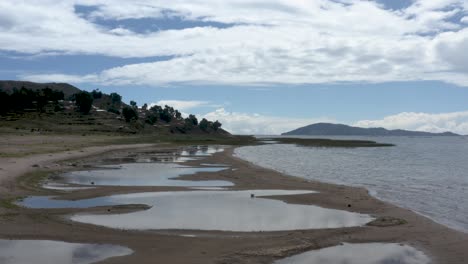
x,y
55,252
222,210
165,159
48,202
371,253
63,187
144,174
201,150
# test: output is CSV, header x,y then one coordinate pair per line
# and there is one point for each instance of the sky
x,y
257,66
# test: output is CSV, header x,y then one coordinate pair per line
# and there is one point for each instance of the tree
x,y
113,110
193,119
178,115
204,124
167,114
116,98
216,125
151,119
144,107
133,104
129,113
4,102
42,99
22,98
84,101
96,94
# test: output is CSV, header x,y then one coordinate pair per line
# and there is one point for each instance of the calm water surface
x,y
371,253
56,252
143,174
427,175
221,210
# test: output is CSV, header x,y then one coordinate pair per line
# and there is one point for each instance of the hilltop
x,y
64,108
327,129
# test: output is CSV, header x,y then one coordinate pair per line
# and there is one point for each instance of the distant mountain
x,y
327,129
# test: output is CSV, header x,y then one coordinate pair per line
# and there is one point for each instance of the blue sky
x,y
261,67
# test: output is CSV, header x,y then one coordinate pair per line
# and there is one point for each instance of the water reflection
x,y
144,174
201,150
48,202
55,252
222,210
372,253
63,187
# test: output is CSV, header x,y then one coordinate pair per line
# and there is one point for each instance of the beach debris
x,y
349,205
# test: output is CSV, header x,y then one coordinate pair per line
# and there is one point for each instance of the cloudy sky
x,y
258,66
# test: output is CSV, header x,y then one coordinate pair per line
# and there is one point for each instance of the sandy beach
x,y
393,224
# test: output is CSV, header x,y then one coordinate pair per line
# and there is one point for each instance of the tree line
x,y
24,99
167,114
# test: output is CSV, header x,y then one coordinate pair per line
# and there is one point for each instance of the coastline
x,y
441,243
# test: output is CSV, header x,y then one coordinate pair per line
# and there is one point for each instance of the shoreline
x,y
441,243
371,193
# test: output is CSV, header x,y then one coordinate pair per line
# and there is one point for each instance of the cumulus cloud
x,y
268,41
456,122
256,124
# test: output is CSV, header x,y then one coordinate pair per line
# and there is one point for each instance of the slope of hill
x,y
327,129
30,110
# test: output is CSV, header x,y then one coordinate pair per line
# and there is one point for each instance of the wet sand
x,y
442,244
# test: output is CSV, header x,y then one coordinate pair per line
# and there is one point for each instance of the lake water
x,y
222,210
370,253
208,210
56,252
427,175
144,174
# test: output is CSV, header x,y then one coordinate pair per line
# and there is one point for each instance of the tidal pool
x,y
221,210
144,174
56,252
371,253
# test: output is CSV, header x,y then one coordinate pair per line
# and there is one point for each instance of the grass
x,y
185,139
33,180
9,203
330,143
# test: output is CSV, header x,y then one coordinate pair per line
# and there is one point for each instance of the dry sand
x,y
441,243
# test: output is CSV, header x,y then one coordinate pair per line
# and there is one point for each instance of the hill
x,y
67,89
27,107
327,129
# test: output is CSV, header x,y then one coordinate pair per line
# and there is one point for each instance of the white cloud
x,y
180,104
464,20
277,41
256,124
456,122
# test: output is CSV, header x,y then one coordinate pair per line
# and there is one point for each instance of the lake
x,y
427,175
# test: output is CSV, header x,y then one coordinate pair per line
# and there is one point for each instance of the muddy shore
x,y
442,244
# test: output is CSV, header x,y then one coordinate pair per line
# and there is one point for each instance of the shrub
x,y
84,101
129,113
113,110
